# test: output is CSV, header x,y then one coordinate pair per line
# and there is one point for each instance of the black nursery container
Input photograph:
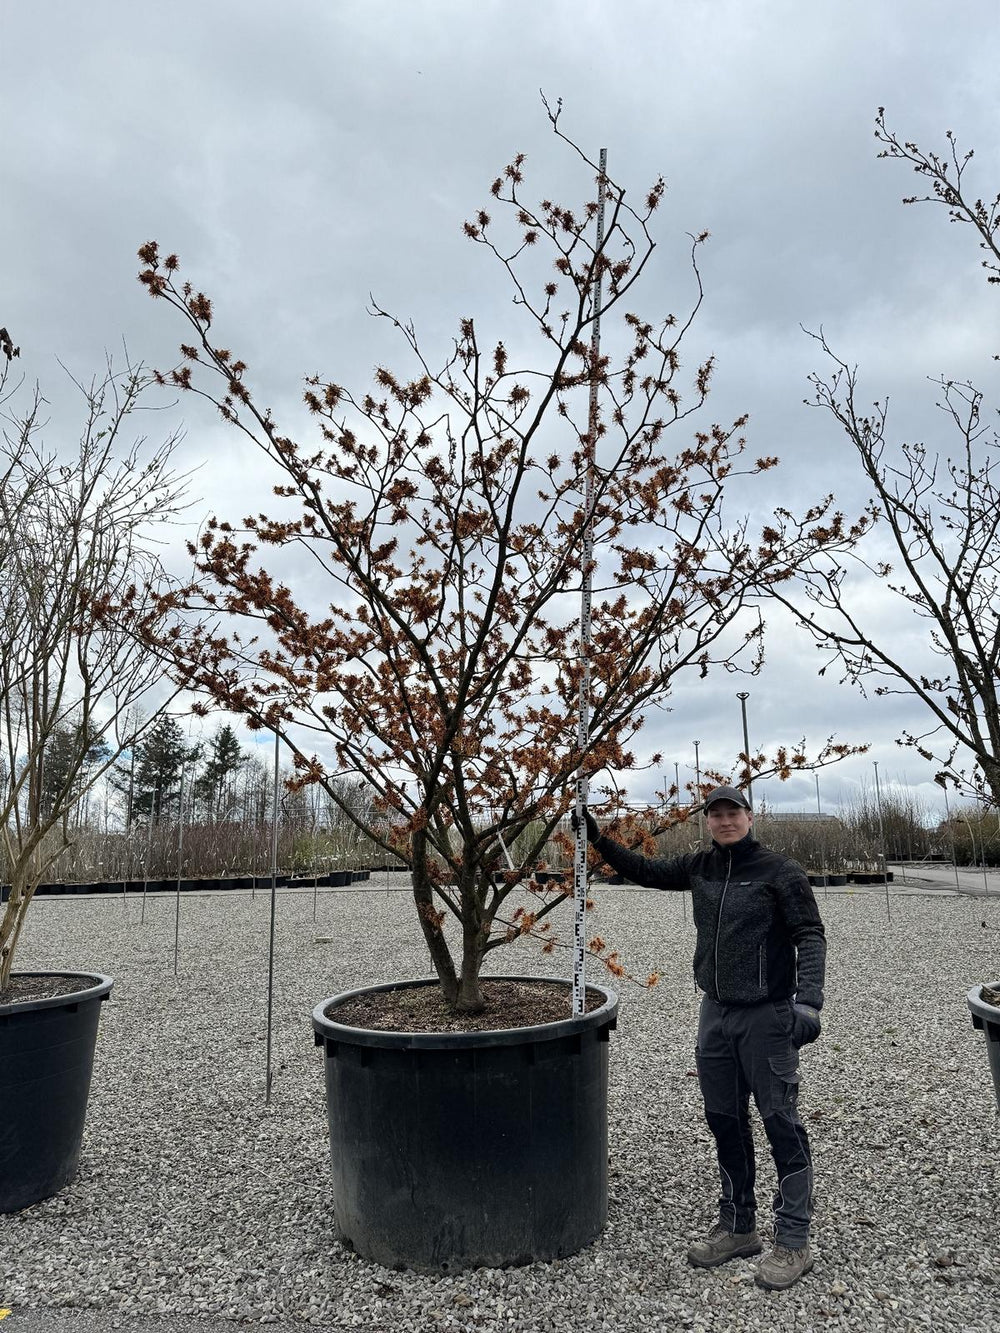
x,y
46,1060
467,1149
987,1017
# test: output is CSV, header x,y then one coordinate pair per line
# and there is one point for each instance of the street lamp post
x,y
743,696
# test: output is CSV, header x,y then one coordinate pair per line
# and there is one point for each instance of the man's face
x,y
728,822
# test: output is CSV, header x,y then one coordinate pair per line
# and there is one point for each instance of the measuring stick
x,y
583,717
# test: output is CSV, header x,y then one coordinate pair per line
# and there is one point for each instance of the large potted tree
x,y
984,1006
78,580
445,517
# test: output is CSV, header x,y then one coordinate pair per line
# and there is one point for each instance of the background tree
x,y
444,516
941,513
161,758
78,584
215,785
64,775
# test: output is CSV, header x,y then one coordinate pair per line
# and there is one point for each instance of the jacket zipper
x,y
718,926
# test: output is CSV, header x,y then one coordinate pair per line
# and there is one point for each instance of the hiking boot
x,y
783,1267
721,1245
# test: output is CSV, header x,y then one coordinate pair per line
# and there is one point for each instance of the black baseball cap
x,y
727,794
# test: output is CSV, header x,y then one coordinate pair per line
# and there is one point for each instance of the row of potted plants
x,y
332,879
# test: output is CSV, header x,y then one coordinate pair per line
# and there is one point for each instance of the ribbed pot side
x,y
460,1150
47,1058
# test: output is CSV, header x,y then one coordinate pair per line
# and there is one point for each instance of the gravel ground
x,y
195,1199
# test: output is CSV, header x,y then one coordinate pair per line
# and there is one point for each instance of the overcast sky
x,y
300,156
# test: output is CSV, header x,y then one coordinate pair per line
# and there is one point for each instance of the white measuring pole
x,y
583,717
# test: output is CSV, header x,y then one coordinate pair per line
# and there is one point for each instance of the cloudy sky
x,y
301,156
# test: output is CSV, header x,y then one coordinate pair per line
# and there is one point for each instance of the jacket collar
x,y
738,850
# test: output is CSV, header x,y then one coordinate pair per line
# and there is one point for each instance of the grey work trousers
x,y
744,1049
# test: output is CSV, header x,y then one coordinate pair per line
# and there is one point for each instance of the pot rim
x,y
98,987
981,1007
326,1027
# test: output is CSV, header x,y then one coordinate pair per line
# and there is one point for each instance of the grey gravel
x,y
196,1200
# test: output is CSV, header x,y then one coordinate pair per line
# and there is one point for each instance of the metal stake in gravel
x,y
145,864
951,838
881,835
270,946
315,824
587,574
180,853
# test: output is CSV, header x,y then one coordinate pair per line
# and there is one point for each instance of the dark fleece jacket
x,y
760,936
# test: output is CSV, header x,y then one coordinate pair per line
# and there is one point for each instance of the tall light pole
x,y
697,784
743,696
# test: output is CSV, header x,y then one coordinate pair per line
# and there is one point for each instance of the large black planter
x,y
467,1149
46,1059
987,1017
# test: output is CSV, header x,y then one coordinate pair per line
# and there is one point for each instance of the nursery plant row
x,y
335,879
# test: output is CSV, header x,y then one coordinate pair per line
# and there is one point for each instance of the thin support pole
x,y
697,785
586,585
270,946
180,856
677,803
881,834
315,857
149,849
951,836
983,851
822,841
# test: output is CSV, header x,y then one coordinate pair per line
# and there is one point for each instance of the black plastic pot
x,y
986,1017
468,1149
46,1059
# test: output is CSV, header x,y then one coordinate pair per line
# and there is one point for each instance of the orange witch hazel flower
x,y
430,658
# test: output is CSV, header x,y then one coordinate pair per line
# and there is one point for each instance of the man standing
x,y
759,961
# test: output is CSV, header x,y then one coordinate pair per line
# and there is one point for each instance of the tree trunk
x,y
437,946
991,775
474,938
22,888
